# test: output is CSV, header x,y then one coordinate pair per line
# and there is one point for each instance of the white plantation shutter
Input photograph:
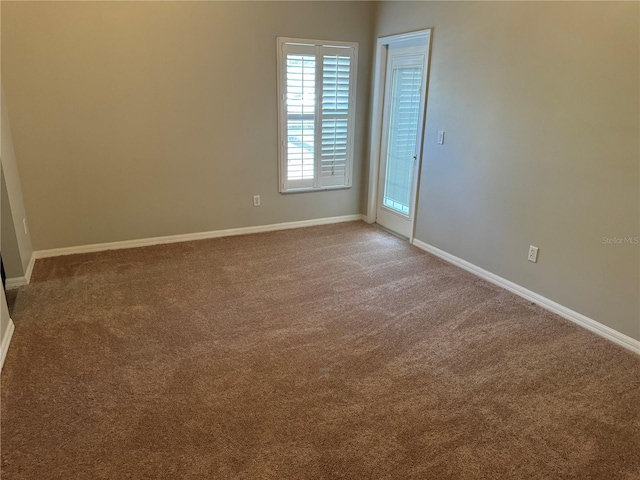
x,y
336,76
317,106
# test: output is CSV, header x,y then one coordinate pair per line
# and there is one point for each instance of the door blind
x,y
403,131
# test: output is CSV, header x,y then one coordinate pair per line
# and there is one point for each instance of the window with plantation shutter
x,y
316,88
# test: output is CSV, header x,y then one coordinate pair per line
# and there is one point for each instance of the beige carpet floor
x,y
333,352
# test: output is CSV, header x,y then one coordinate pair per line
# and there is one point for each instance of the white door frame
x,y
377,109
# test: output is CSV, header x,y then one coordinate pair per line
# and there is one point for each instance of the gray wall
x,y
15,243
142,119
539,101
8,241
4,315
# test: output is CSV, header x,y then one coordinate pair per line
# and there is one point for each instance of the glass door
x,y
401,132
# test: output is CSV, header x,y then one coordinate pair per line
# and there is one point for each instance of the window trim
x,y
282,114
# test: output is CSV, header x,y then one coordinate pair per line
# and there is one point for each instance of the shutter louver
x,y
336,73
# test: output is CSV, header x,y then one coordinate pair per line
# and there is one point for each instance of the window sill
x,y
313,189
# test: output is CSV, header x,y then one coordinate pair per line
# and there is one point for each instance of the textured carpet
x,y
11,296
320,353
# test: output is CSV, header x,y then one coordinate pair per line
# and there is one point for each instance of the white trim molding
x,y
6,340
29,271
146,242
571,315
15,282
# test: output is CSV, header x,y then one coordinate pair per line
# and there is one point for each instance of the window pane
x,y
301,84
300,148
403,130
300,101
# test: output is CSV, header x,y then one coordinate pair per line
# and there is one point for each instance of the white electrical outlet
x,y
533,254
256,200
441,137
24,224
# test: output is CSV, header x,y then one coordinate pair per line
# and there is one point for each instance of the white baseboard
x,y
29,271
145,242
15,282
6,340
571,315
